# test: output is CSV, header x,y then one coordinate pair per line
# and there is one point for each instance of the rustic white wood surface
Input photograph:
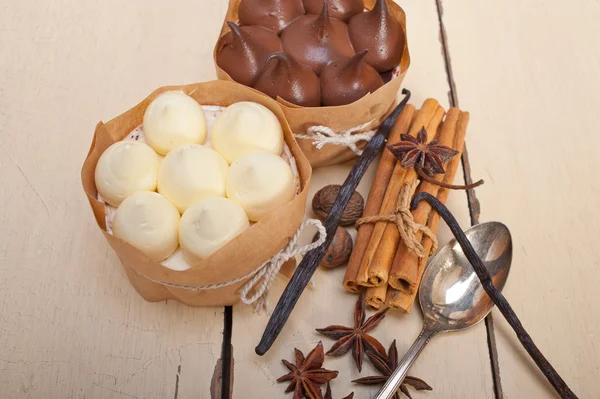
x,y
72,327
528,71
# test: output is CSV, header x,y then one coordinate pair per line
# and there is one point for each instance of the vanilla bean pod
x,y
423,175
311,261
486,281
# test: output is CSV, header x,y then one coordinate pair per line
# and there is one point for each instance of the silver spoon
x,y
451,295
452,299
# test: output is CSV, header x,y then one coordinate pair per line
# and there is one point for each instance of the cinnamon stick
x,y
375,199
404,271
375,296
401,300
379,254
396,299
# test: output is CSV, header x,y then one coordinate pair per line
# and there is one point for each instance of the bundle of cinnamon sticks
x,y
381,261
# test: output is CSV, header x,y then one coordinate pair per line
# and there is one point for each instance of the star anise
x,y
386,364
307,375
328,394
427,159
356,337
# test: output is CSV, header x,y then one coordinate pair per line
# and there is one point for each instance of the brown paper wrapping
x,y
374,106
238,257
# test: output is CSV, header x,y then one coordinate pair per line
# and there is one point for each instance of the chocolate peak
x,y
380,33
316,40
340,9
271,14
346,81
287,78
242,52
323,23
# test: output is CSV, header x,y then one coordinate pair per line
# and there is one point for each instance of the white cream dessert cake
x,y
192,178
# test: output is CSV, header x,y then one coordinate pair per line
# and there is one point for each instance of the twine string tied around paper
x,y
323,135
267,272
263,276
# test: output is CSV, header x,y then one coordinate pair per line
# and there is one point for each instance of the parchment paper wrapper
x,y
374,106
238,257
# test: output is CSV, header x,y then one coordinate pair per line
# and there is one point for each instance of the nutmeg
x,y
323,202
339,250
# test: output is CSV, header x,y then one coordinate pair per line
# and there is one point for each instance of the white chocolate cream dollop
x,y
190,173
173,119
260,182
149,222
209,224
245,127
124,168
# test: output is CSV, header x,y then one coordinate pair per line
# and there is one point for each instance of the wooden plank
x,y
71,326
528,73
456,366
472,200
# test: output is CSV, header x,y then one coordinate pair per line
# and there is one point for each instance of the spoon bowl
x,y
451,300
451,295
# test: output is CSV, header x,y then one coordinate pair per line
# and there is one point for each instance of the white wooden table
x,y
71,326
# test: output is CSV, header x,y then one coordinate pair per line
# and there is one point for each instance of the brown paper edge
x,y
374,106
237,258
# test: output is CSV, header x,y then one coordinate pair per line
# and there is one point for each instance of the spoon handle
x,y
393,383
544,365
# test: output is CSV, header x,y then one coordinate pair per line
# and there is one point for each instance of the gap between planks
x,y
222,381
472,201
221,384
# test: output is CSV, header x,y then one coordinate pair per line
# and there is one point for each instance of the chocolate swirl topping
x,y
242,52
346,81
287,78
